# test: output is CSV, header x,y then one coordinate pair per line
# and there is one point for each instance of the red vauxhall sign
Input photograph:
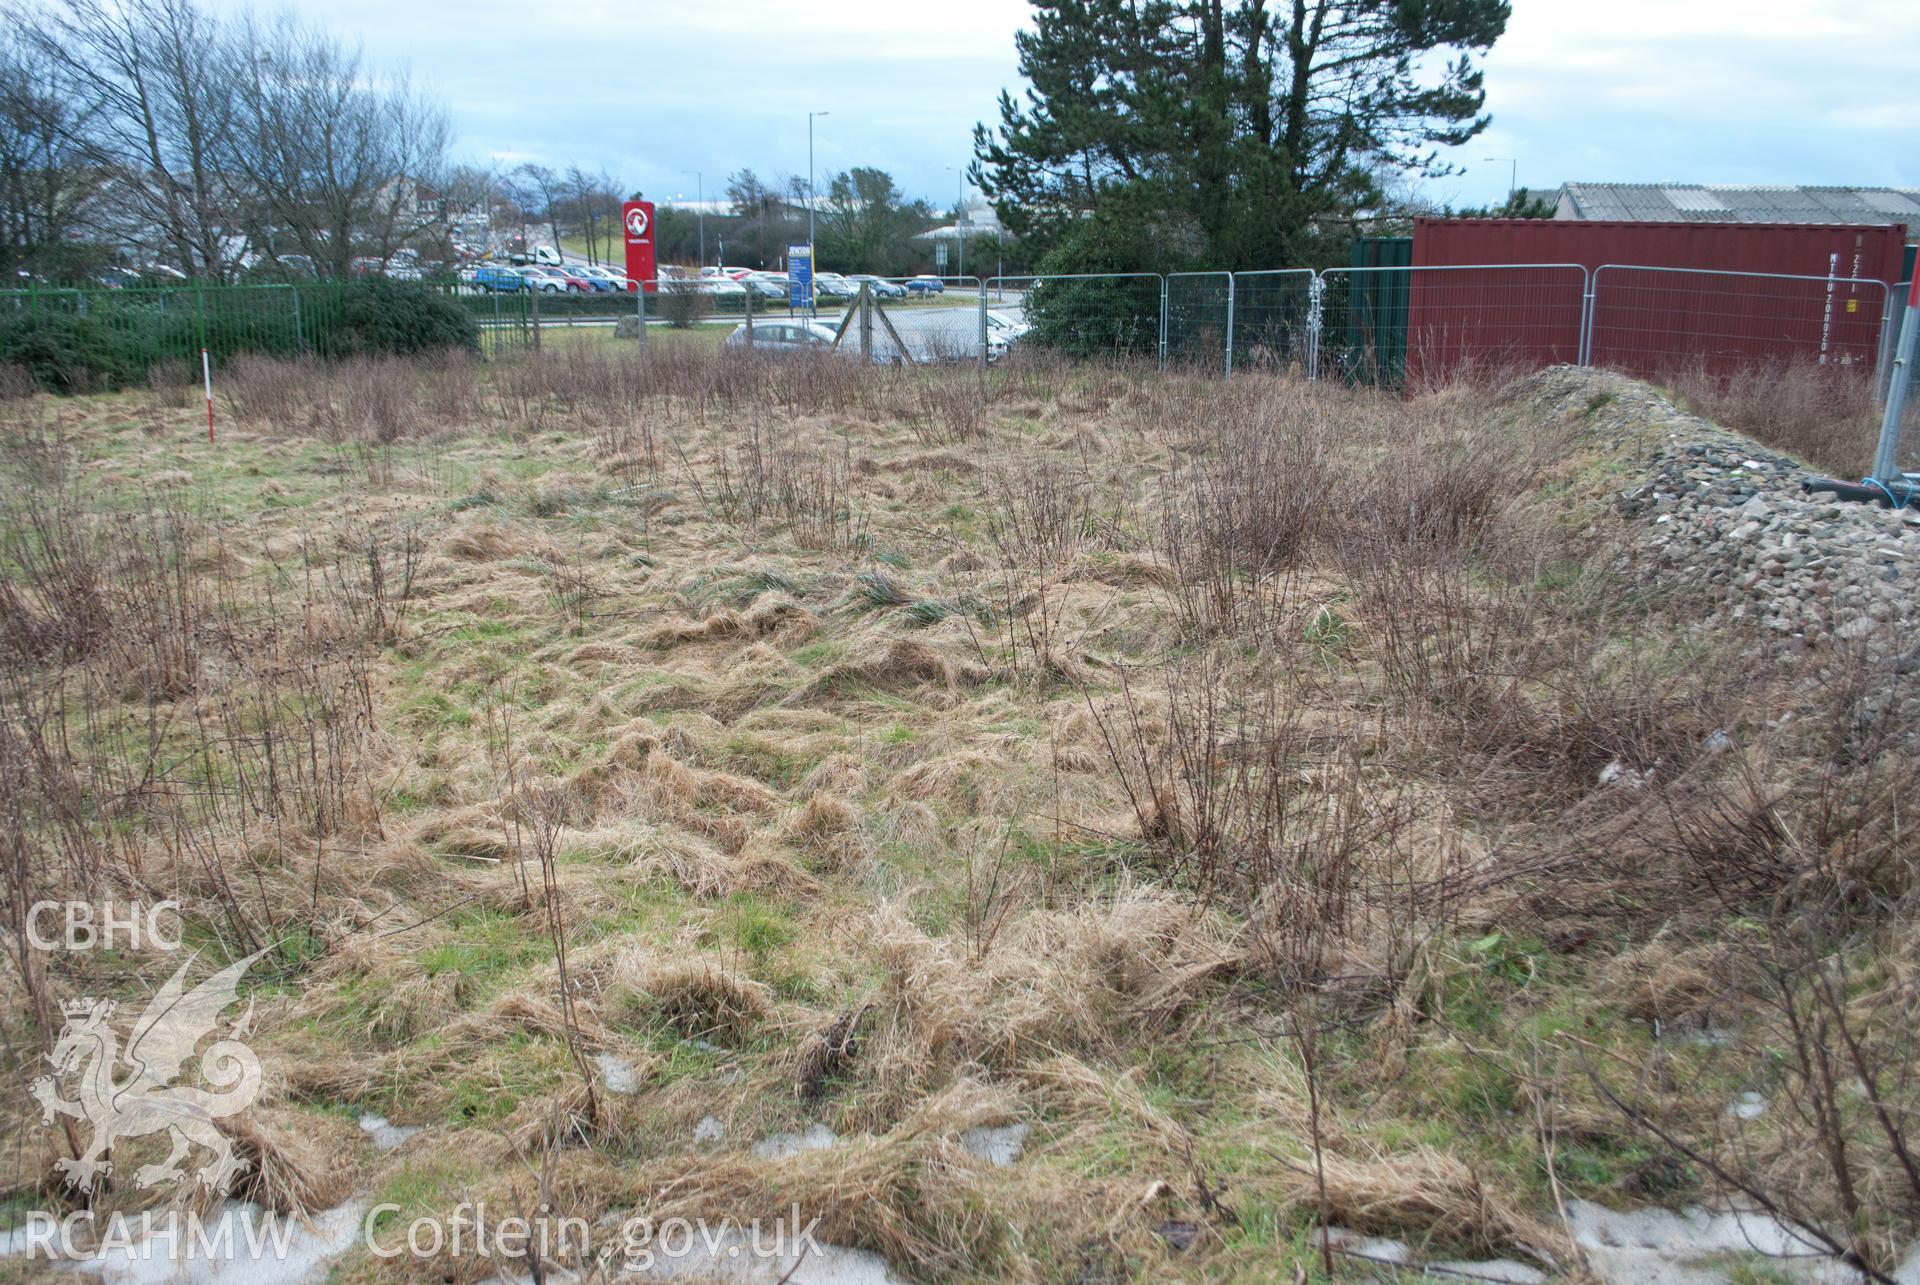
x,y
637,216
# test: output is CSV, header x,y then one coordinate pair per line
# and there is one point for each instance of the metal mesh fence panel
x,y
1199,312
937,320
1113,316
1273,320
1653,322
1427,326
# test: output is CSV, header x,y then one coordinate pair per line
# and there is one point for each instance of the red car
x,y
554,280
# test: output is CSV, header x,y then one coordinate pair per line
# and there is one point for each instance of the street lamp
x,y
959,216
700,211
1513,174
813,263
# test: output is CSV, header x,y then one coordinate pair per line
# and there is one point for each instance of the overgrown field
x,y
1282,799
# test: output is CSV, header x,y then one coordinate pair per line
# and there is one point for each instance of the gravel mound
x,y
1714,511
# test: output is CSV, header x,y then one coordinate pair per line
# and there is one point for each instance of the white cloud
x,y
1710,90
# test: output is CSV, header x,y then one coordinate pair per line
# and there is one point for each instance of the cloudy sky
x,y
1732,91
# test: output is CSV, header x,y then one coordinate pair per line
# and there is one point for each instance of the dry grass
x,y
1823,414
1207,776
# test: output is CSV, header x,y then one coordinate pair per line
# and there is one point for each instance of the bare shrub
x,y
1823,413
15,383
683,304
172,383
270,392
1239,517
951,410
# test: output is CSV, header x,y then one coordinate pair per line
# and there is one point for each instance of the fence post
x,y
299,335
1583,347
533,310
1316,293
983,323
1229,373
749,317
1163,323
864,303
1890,312
1886,457
640,308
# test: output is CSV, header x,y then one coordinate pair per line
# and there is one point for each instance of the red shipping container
x,y
1729,305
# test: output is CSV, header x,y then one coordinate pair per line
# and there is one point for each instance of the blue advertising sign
x,y
800,276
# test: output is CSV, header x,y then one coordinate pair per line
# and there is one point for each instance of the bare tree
x,y
539,191
593,207
152,80
44,176
342,161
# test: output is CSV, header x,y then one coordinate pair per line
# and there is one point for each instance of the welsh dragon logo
x,y
145,1100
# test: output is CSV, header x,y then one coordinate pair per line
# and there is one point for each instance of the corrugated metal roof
x,y
1715,203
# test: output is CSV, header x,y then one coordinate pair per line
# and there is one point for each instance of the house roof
x,y
1720,203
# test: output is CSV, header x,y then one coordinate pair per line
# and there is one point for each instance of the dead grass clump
x,y
697,998
894,665
296,1163
912,1195
1425,1192
1668,983
1091,979
690,861
487,543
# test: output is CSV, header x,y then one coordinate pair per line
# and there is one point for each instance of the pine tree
x,y
1225,134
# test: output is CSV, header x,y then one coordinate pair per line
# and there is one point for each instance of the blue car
x,y
601,279
492,277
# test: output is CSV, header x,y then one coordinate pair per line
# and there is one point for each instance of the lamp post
x,y
1513,174
700,211
959,216
813,260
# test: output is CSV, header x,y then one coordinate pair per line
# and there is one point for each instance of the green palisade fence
x,y
157,326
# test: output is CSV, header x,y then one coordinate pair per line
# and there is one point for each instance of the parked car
x,y
831,285
554,280
783,338
598,280
722,288
926,285
804,336
768,285
881,287
1009,326
497,277
614,280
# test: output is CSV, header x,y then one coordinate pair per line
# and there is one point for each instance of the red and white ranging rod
x,y
206,378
